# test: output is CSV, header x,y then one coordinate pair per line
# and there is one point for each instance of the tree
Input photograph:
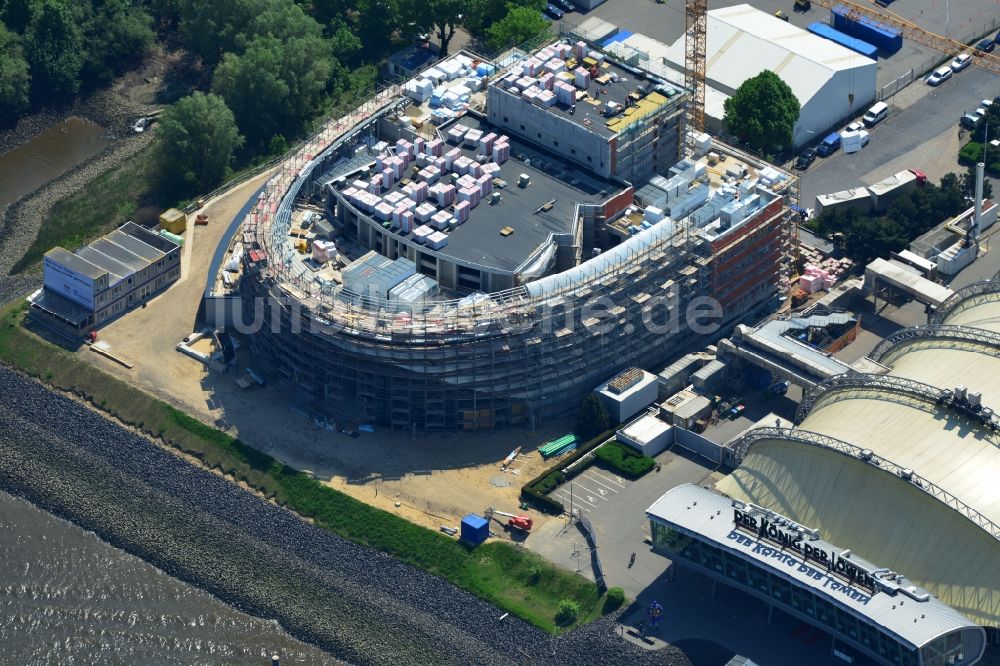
x,y
344,44
116,33
867,238
518,26
593,418
968,183
210,29
443,17
196,140
17,14
763,112
54,47
15,81
273,88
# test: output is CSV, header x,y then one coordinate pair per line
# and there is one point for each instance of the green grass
x,y
108,201
515,579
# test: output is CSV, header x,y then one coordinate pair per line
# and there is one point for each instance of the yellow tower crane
x,y
696,23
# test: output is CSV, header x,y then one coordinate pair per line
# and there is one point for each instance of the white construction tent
x,y
831,82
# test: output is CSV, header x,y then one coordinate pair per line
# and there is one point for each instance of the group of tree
x,y
868,236
50,49
270,66
762,113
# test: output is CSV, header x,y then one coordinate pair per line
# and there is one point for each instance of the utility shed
x,y
648,435
628,393
475,529
173,220
684,408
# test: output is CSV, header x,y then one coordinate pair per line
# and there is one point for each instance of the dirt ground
x,y
436,479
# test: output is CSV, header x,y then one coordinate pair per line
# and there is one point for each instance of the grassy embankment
x,y
514,579
105,203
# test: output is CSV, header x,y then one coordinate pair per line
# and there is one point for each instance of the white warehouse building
x,y
831,82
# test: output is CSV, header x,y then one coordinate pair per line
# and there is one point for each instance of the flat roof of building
x,y
646,429
614,83
709,515
478,240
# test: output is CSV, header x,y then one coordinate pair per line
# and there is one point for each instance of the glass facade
x,y
801,600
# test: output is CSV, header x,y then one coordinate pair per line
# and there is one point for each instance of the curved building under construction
x,y
421,267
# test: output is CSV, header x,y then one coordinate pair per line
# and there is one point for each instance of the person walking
x,y
631,561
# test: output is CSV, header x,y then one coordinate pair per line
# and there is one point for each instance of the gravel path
x,y
356,603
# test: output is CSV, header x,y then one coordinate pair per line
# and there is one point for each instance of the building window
x,y
554,142
589,158
506,119
522,128
573,151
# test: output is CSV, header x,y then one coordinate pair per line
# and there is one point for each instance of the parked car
x,y
830,145
554,12
986,46
876,114
807,157
960,62
856,126
997,38
986,103
968,121
939,76
781,15
564,5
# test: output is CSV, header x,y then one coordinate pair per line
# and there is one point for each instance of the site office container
x,y
867,29
845,40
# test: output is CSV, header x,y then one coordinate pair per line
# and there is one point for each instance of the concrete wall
x,y
566,137
695,443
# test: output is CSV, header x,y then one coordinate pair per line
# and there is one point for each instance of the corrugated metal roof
x,y
136,246
78,264
120,254
743,41
710,515
117,269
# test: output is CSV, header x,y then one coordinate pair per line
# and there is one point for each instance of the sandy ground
x,y
435,479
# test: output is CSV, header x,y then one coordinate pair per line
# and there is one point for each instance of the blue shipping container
x,y
867,29
825,31
475,529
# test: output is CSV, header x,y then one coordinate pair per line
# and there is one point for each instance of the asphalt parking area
x,y
589,490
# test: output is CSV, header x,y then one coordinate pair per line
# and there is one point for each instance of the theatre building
x,y
867,609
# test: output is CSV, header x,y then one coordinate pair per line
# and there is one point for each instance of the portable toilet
x,y
475,529
173,220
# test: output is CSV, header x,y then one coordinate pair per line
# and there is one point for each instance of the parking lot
x,y
921,132
589,490
616,509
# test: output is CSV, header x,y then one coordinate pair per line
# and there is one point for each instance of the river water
x,y
50,153
66,597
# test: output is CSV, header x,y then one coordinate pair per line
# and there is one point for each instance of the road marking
x,y
595,480
617,480
576,499
579,485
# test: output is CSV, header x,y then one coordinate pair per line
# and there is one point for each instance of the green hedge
x,y
536,491
972,152
624,461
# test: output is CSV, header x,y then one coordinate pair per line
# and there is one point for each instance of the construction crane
x,y
696,27
908,30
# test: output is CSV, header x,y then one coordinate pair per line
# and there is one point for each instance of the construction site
x,y
417,267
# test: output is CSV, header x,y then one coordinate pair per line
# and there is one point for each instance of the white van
x,y
876,114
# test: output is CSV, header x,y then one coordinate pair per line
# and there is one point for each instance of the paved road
x,y
904,131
